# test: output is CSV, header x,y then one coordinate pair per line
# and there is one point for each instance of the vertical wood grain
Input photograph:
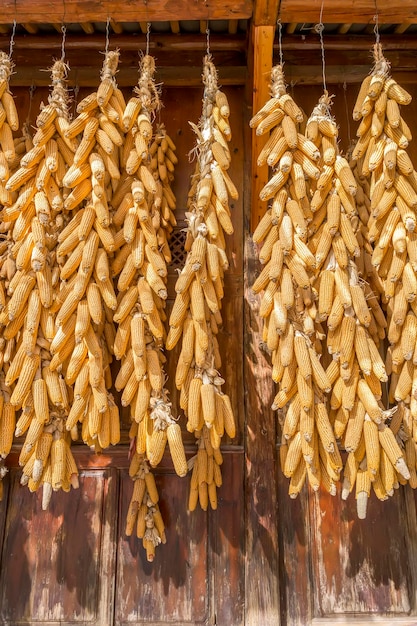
x,y
359,566
262,588
262,40
173,588
57,564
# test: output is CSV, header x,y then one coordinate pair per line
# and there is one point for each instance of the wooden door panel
x,y
295,557
172,588
227,546
197,577
338,570
360,566
56,564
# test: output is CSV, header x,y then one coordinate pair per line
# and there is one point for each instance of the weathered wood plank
x,y
57,564
294,556
261,568
262,44
355,621
359,566
127,77
76,11
159,42
174,587
265,12
354,11
227,546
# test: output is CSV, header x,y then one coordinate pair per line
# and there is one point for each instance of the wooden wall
x,y
261,559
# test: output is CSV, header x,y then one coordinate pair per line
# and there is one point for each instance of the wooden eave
x,y
263,12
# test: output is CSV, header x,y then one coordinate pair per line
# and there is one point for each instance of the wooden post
x,y
262,604
262,42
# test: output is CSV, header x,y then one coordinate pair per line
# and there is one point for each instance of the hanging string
x,y
107,34
319,28
208,40
64,36
76,92
32,90
376,27
148,35
12,39
281,59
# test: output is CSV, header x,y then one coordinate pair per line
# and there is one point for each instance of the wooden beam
x,y
232,27
401,28
348,11
262,601
76,11
265,12
291,28
87,27
175,27
117,28
343,29
161,42
263,41
32,29
171,76
300,43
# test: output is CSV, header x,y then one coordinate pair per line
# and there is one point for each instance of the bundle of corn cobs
x,y
88,211
196,312
338,250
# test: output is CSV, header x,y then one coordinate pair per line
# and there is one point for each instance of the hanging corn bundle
x,y
31,366
11,151
146,220
357,369
87,300
291,332
196,311
382,158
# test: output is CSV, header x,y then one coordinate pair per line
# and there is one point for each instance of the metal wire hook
x,y
281,58
64,36
107,34
319,28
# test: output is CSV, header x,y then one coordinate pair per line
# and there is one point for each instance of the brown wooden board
x,y
351,11
227,546
359,566
78,11
57,564
197,577
173,587
295,556
261,566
